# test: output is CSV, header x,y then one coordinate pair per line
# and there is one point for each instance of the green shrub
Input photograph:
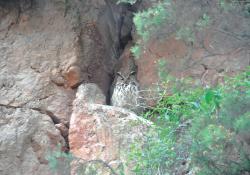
x,y
158,154
59,161
225,5
136,51
216,136
203,22
220,121
147,21
154,156
242,124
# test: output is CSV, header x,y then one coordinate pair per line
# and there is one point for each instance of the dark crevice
x,y
55,119
109,94
10,106
126,20
62,126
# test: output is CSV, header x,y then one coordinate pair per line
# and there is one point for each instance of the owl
x,y
126,93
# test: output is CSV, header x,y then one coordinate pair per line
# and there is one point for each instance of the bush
x,y
217,139
147,21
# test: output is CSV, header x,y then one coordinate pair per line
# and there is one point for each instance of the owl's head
x,y
126,79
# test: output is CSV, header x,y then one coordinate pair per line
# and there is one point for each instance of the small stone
x,y
73,76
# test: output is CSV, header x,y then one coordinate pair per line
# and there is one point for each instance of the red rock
x,y
73,76
99,132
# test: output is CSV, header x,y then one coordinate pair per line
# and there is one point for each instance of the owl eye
x,y
132,73
120,75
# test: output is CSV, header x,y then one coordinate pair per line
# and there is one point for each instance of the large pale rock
x,y
105,133
89,93
27,137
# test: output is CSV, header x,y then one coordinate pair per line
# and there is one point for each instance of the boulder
x,y
102,135
89,93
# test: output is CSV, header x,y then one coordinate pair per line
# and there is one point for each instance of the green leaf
x,y
209,96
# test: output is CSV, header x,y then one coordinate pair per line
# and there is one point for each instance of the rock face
x,y
104,133
26,138
49,47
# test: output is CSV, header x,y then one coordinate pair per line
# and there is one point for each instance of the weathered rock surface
x,y
27,137
104,133
89,93
48,47
99,132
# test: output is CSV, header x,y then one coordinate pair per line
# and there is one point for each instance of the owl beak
x,y
119,73
127,80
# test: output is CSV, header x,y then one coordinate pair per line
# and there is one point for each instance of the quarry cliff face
x,y
53,52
